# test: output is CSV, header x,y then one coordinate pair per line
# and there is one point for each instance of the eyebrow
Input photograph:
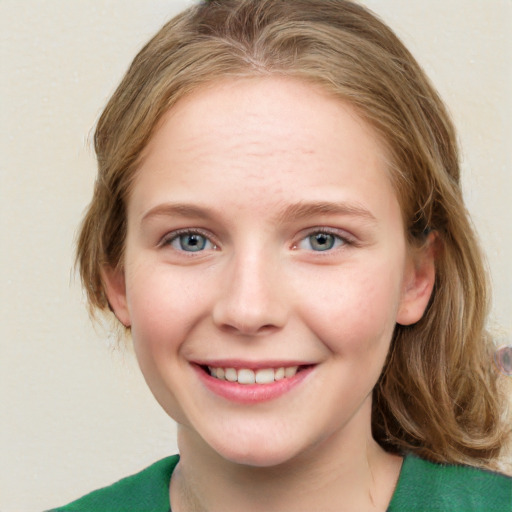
x,y
177,210
292,212
303,210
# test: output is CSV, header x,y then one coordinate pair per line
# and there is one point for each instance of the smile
x,y
248,376
243,385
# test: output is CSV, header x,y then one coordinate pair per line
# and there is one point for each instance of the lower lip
x,y
252,393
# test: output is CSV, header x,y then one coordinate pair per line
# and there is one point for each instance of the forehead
x,y
275,139
264,104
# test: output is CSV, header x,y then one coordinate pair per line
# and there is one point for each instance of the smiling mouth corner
x,y
249,376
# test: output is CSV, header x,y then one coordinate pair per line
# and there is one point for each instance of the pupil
x,y
192,242
322,241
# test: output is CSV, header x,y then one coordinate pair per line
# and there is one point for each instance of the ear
x,y
115,288
419,279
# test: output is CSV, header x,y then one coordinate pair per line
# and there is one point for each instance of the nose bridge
x,y
251,298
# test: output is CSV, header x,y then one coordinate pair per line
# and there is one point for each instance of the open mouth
x,y
249,376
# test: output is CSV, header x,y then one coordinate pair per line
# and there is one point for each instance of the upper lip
x,y
252,365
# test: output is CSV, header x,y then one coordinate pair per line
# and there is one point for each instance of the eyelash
x,y
175,237
339,240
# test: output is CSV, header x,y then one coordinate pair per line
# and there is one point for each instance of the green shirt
x,y
422,487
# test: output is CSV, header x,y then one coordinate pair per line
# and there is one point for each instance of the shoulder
x,y
427,486
147,490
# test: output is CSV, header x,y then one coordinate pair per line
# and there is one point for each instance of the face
x,y
265,269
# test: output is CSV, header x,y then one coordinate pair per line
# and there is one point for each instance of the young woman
x,y
278,223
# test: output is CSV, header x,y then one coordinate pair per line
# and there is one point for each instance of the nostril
x,y
248,330
266,329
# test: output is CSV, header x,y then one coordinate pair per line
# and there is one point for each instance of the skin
x,y
246,160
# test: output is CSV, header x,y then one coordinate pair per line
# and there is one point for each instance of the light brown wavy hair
x,y
439,395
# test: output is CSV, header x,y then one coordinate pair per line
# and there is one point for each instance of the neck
x,y
336,472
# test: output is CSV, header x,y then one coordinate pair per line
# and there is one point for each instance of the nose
x,y
251,299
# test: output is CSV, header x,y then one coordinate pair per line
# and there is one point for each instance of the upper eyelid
x,y
171,235
347,241
340,233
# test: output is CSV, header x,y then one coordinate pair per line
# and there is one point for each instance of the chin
x,y
256,452
258,458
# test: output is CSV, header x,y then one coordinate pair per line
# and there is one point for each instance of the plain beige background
x,y
75,412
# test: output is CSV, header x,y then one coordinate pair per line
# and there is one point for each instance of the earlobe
x,y
418,283
115,288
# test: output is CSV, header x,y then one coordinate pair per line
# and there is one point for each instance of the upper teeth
x,y
248,376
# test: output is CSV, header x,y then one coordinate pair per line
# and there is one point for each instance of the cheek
x,y
162,307
162,311
355,310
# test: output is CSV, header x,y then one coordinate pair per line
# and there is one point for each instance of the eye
x,y
190,241
321,241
